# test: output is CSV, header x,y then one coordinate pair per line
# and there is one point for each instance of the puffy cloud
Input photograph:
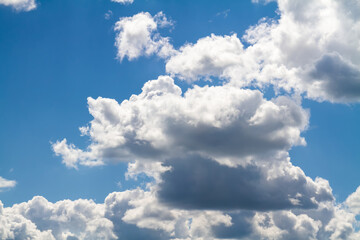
x,y
41,219
312,48
308,41
232,125
80,219
123,1
138,35
142,208
335,79
210,56
20,5
5,184
15,226
353,201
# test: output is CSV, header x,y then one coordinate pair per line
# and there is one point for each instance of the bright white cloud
x,y
210,56
20,5
4,183
229,124
353,201
123,1
138,35
41,219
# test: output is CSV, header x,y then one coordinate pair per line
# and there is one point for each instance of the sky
x,y
133,119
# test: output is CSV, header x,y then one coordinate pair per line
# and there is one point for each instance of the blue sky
x,y
57,54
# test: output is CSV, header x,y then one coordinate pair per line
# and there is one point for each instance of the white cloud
x,y
210,56
20,5
353,201
41,219
138,35
229,124
4,183
307,41
294,53
123,1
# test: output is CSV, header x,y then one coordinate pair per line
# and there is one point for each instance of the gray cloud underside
x,y
198,183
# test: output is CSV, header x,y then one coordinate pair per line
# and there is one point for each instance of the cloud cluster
x,y
41,219
20,5
138,35
312,48
218,155
216,151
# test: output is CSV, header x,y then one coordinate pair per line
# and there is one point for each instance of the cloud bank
x,y
138,213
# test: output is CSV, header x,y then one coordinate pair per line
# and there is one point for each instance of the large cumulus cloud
x,y
232,125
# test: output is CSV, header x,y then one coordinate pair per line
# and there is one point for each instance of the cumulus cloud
x,y
138,35
20,5
41,219
210,56
353,201
5,184
292,53
123,1
313,36
230,124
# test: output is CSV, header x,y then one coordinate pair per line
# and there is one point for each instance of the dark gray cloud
x,y
198,183
241,226
339,79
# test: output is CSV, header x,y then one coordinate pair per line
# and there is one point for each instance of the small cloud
x,y
6,184
20,5
108,15
123,1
